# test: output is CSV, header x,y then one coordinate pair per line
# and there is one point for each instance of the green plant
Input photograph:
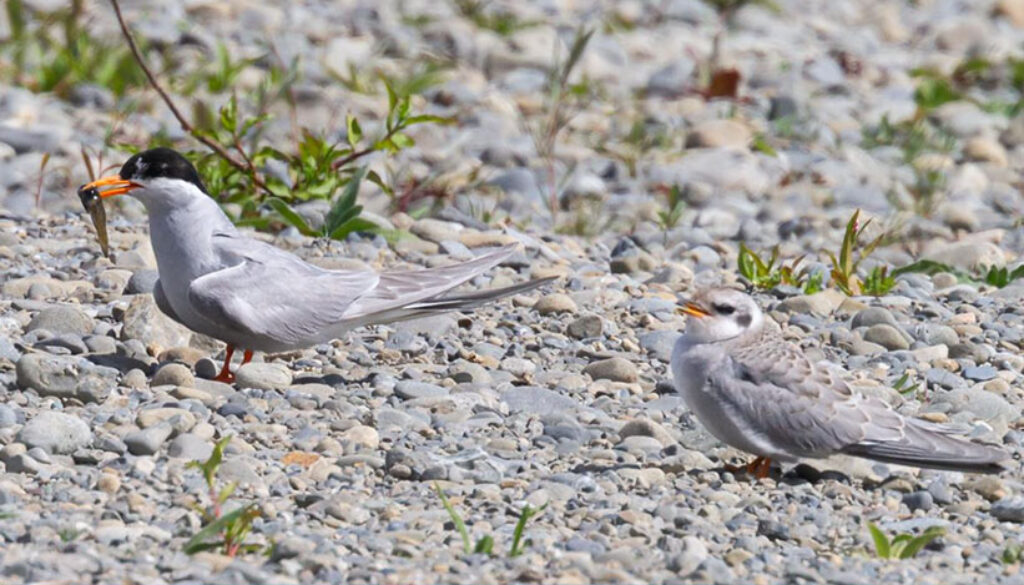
x,y
902,546
485,544
68,534
851,253
558,104
997,276
54,52
878,282
1012,553
903,385
501,21
669,217
235,166
218,76
767,275
226,532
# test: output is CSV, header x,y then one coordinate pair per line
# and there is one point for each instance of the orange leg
x,y
247,357
225,374
760,467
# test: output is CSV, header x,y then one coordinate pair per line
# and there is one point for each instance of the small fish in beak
x,y
93,203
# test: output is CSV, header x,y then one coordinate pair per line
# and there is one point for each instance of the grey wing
x,y
273,294
810,411
396,292
800,409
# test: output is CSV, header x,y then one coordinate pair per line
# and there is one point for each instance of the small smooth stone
x,y
615,369
555,303
148,441
585,327
410,390
887,336
173,375
263,376
189,446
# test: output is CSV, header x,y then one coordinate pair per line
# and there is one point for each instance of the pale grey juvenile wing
x,y
808,410
773,390
272,293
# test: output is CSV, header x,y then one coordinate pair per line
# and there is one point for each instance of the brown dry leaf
x,y
724,83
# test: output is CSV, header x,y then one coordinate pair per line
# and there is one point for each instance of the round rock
x,y
56,432
263,376
615,369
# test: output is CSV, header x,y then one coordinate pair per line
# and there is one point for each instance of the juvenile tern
x,y
254,296
759,393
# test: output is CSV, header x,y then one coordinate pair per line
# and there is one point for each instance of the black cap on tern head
x,y
158,163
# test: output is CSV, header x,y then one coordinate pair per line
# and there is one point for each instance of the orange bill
x,y
112,185
692,310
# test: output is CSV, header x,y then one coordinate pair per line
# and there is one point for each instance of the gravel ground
x,y
558,397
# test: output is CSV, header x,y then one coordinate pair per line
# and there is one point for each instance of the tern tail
x,y
928,445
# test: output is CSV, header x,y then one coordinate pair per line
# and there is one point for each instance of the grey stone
x,y
536,400
659,344
65,377
1009,509
873,316
586,327
919,500
190,446
887,336
148,441
8,416
145,322
62,319
980,373
142,281
56,432
409,390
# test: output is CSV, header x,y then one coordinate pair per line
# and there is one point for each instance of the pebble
x,y
148,441
173,375
555,303
887,336
263,376
585,327
56,432
615,369
62,320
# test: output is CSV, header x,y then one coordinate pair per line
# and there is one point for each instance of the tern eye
x,y
723,309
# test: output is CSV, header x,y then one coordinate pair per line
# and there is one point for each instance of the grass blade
x,y
456,519
881,541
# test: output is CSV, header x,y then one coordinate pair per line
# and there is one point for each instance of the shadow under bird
x,y
257,297
759,393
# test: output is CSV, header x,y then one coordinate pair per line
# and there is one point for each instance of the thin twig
x,y
361,153
185,124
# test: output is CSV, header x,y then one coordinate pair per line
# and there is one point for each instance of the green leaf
x,y
401,141
356,224
915,544
456,519
881,541
290,216
201,540
928,267
229,115
428,118
517,535
355,131
485,545
341,210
